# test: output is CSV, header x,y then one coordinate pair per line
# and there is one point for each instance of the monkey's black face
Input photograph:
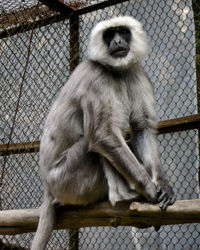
x,y
118,41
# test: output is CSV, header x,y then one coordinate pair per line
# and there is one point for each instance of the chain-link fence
x,y
39,47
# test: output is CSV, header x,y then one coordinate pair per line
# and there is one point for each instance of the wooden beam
x,y
24,16
50,18
19,148
138,214
168,126
28,26
99,6
179,124
57,6
65,9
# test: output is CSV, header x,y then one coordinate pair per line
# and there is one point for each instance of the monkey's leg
x,y
46,222
107,139
144,146
77,177
118,188
146,150
125,162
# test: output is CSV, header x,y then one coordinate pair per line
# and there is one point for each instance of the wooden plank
x,y
168,126
138,214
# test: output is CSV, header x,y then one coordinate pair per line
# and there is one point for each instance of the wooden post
x,y
74,61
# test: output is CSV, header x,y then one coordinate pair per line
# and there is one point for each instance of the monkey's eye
x,y
125,34
108,36
124,31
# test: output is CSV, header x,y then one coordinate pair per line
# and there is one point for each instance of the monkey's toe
x,y
166,199
173,198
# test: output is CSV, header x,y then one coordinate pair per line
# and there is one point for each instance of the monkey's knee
x,y
149,191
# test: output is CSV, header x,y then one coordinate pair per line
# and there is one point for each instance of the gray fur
x,y
84,157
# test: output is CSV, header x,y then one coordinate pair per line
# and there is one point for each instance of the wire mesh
x,y
170,66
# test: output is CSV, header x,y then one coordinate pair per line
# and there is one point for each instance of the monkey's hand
x,y
166,195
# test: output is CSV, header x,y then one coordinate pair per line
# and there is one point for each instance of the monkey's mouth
x,y
119,52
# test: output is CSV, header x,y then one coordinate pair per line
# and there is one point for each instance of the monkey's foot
x,y
166,196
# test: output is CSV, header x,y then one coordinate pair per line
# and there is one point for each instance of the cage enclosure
x,y
41,42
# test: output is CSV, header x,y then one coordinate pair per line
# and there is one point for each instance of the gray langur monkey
x,y
84,157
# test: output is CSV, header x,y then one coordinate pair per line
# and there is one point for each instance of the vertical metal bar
x,y
74,61
73,238
74,41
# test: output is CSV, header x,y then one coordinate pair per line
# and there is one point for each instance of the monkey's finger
x,y
173,199
161,195
164,203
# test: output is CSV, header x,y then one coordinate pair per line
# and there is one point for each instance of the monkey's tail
x,y
45,225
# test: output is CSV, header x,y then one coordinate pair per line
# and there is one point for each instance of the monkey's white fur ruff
x,y
98,51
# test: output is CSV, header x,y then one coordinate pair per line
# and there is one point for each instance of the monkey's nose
x,y
117,39
118,42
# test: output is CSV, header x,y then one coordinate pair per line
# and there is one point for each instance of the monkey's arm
x,y
144,145
107,140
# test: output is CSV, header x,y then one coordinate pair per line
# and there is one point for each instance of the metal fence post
x,y
74,60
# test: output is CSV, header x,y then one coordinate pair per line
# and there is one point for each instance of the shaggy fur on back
x,y
98,50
